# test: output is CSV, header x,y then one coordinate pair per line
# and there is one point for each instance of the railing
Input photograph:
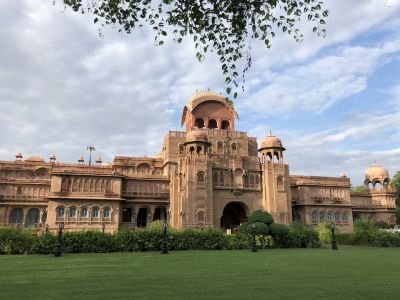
x,y
145,194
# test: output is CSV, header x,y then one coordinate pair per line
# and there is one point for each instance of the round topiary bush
x,y
261,216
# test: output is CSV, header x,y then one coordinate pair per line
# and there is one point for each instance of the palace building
x,y
209,175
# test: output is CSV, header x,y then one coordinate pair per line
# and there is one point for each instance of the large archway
x,y
33,217
233,215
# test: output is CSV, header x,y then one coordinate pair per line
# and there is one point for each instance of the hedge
x,y
23,241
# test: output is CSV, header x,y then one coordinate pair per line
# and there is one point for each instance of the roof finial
x,y
270,132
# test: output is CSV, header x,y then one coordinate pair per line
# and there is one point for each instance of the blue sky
x,y
334,101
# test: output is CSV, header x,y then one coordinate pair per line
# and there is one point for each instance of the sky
x,y
333,101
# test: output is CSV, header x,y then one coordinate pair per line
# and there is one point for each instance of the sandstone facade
x,y
208,175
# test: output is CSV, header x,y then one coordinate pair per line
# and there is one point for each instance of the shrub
x,y
16,241
384,239
382,224
363,230
324,232
303,236
280,235
261,216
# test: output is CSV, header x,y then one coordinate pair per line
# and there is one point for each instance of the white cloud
x,y
317,85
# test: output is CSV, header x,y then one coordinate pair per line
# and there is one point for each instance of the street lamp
x,y
334,245
103,227
47,228
164,249
57,252
253,243
90,148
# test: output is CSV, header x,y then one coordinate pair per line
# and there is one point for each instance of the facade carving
x,y
209,175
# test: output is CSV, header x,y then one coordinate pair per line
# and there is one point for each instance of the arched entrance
x,y
142,217
16,216
233,215
160,213
33,218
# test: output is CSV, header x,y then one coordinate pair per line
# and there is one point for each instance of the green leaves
x,y
225,27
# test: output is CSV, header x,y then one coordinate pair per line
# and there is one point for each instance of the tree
x,y
359,188
225,27
396,186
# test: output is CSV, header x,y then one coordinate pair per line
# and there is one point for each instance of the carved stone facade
x,y
206,176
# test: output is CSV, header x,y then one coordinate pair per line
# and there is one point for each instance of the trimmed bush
x,y
303,236
261,216
280,235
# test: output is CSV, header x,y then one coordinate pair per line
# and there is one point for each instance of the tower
x,y
275,180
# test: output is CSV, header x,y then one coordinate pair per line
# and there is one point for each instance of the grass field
x,y
350,273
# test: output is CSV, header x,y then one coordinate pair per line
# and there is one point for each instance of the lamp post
x,y
164,249
47,228
253,242
57,252
103,227
334,245
90,148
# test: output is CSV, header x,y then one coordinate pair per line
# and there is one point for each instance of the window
x,y
279,184
95,212
321,216
106,212
225,125
329,216
200,178
314,216
337,216
212,124
72,212
60,212
344,217
127,214
84,212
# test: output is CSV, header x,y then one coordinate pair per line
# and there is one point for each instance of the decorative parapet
x,y
296,180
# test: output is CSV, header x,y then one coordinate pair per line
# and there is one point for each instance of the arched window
x,y
72,212
16,216
225,125
234,148
60,212
181,149
199,149
314,216
329,216
212,124
199,123
106,212
200,218
344,217
84,212
321,216
200,178
143,169
95,212
279,183
220,148
337,216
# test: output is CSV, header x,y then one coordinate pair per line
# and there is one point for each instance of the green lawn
x,y
350,273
